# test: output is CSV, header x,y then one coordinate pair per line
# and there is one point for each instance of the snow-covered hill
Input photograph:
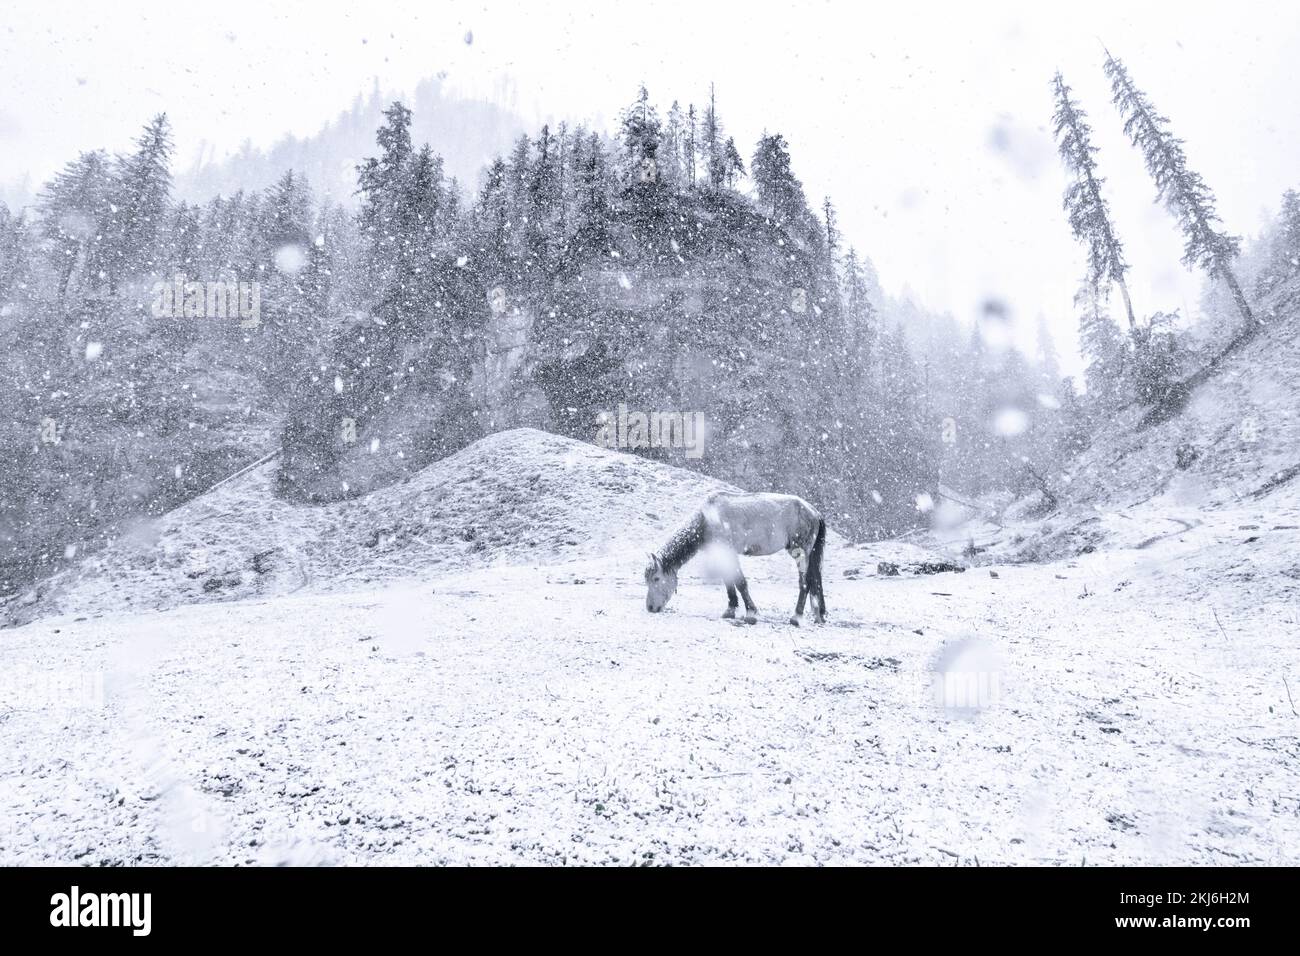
x,y
517,496
496,692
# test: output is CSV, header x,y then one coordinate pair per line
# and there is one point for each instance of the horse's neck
x,y
687,540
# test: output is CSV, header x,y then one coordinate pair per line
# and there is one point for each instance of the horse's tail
x,y
815,560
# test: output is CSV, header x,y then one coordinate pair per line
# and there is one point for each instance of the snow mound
x,y
517,497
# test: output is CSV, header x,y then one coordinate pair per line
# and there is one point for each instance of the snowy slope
x,y
517,496
1238,432
516,704
1229,459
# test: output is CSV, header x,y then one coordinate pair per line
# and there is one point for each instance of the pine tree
x,y
139,203
860,311
1182,190
72,205
335,262
402,196
1089,215
230,240
904,464
491,218
15,266
563,146
777,187
518,187
417,344
732,165
859,384
285,217
689,146
382,183
291,300
1103,349
1283,255
594,179
184,245
642,133
542,200
714,149
670,152
831,223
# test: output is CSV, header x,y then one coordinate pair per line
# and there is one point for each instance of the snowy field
x,y
514,703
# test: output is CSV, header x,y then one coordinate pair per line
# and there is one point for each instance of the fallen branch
x,y
261,461
1217,621
1279,479
1178,394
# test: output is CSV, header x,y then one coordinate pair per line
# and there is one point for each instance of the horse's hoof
x,y
794,621
751,618
819,619
728,614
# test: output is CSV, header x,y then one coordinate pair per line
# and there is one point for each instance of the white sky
x,y
893,109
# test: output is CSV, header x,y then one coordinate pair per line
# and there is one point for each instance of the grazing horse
x,y
745,524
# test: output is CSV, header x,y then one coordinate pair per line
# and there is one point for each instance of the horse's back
x,y
761,522
761,501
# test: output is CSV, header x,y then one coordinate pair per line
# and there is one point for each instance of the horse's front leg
x,y
803,596
736,582
730,612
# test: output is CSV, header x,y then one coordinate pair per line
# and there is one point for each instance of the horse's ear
x,y
654,560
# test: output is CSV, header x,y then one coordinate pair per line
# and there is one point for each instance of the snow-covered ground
x,y
513,702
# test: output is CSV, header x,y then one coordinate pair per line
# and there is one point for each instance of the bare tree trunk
x,y
1128,307
1239,297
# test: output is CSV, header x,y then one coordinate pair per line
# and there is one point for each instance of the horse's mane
x,y
685,542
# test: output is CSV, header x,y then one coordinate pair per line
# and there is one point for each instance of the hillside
x,y
1222,475
517,497
1235,439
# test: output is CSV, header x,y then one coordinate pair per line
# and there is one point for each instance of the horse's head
x,y
660,584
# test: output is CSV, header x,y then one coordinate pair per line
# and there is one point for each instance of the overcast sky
x,y
926,122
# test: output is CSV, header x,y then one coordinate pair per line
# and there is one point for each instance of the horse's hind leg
x,y
730,612
815,573
818,597
751,609
801,561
